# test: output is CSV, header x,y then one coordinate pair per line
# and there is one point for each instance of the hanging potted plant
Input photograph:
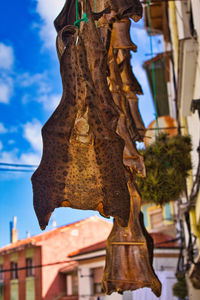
x,y
180,287
167,162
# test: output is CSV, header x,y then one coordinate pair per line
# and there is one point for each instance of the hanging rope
x,y
152,67
95,10
84,19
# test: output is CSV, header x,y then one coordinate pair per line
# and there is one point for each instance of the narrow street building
x,y
31,266
177,77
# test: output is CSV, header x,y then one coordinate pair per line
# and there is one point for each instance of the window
x,y
97,278
72,284
1,273
29,267
156,217
14,271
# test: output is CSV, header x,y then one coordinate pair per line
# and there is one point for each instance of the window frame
x,y
1,273
29,267
97,284
14,270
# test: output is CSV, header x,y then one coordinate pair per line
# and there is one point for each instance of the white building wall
x,y
165,268
192,121
194,131
86,284
182,19
167,279
171,94
195,12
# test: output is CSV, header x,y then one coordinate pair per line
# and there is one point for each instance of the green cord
x,y
84,19
95,6
76,10
95,10
153,66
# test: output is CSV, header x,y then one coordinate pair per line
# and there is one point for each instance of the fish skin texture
x,y
129,254
82,163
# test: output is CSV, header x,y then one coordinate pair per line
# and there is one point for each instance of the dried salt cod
x,y
129,254
67,16
81,166
131,88
127,8
126,127
119,8
120,37
106,10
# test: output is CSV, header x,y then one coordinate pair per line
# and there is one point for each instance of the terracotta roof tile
x,y
92,248
35,240
161,240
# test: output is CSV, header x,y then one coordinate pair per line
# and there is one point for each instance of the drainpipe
x,y
174,32
194,226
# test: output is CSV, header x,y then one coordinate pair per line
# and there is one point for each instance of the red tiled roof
x,y
156,58
92,248
35,240
161,240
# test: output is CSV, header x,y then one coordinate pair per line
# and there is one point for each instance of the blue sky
x,y
30,89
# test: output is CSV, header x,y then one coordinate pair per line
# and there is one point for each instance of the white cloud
x,y
43,88
25,158
50,102
13,129
6,57
40,79
6,89
48,11
6,81
30,158
32,133
26,79
2,128
9,156
13,157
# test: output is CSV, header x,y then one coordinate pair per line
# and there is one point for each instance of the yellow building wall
x,y
174,32
14,289
167,211
30,288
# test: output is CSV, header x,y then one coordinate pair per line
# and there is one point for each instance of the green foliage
x,y
180,287
167,163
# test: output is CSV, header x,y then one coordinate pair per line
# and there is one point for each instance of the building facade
x,y
31,266
178,22
89,267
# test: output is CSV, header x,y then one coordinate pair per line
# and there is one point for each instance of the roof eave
x,y
18,248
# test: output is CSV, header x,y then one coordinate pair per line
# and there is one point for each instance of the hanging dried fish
x,y
119,8
127,8
131,88
82,162
129,254
126,126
